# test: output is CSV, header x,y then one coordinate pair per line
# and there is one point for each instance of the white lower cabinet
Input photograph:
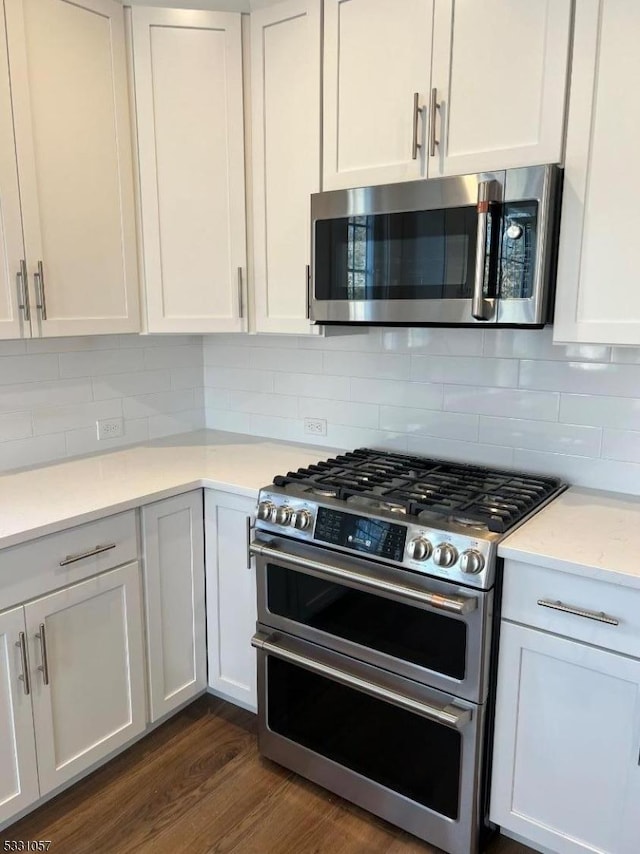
x,y
173,544
566,773
87,672
231,598
18,769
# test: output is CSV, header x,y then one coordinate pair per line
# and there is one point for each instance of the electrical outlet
x,y
110,428
315,426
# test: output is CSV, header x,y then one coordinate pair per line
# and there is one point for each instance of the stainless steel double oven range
x,y
376,577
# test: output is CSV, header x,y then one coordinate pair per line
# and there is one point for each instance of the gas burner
x,y
377,504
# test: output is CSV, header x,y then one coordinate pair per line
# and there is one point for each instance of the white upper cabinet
x,y
286,108
189,108
598,298
14,321
73,142
377,70
499,77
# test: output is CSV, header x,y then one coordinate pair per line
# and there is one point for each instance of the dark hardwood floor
x,y
197,784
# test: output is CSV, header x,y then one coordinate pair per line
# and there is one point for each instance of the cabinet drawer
x,y
526,585
35,568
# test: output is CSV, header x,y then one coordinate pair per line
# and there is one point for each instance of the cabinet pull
x,y
434,106
417,109
308,280
95,551
38,278
24,290
44,667
239,291
24,676
250,529
599,616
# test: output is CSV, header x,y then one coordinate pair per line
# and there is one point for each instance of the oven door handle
x,y
449,715
452,604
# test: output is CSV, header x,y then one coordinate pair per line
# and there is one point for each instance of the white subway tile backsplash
x,y
507,397
397,393
465,370
541,436
261,403
581,377
621,445
518,403
424,422
375,365
52,392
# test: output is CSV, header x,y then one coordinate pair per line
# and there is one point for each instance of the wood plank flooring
x,y
198,785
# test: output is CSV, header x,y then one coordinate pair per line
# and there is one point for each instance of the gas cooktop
x,y
427,515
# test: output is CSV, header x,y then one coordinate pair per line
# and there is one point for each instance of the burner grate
x,y
494,498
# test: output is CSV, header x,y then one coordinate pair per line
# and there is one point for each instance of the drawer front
x,y
40,566
526,585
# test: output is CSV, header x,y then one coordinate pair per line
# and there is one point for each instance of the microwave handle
x,y
481,308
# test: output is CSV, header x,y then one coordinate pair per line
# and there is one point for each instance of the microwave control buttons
x,y
265,510
419,548
445,555
301,520
471,562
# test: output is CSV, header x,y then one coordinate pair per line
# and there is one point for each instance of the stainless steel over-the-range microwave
x,y
466,250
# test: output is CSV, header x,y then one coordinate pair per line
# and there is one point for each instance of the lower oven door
x,y
407,753
431,631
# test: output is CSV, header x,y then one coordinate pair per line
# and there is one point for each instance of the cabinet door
x,y
18,770
69,89
14,321
88,696
597,298
500,74
188,92
285,133
565,763
231,599
173,542
377,57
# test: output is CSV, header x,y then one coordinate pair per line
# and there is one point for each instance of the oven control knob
x,y
471,562
281,515
301,520
265,509
419,548
445,555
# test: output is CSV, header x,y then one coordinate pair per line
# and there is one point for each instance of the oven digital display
x,y
373,536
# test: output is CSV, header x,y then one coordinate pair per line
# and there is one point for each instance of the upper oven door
x,y
430,631
460,250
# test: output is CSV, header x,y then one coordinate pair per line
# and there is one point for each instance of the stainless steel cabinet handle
x,y
44,667
449,715
239,291
24,676
24,290
434,106
598,616
453,604
39,282
95,551
417,109
249,529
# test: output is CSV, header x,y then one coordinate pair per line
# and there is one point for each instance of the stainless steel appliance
x,y
377,609
466,250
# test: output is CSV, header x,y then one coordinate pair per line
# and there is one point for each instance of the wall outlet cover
x,y
110,428
315,426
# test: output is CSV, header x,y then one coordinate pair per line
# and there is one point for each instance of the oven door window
x,y
398,749
434,641
416,255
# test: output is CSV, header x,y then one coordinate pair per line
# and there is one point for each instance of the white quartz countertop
x,y
585,532
43,500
